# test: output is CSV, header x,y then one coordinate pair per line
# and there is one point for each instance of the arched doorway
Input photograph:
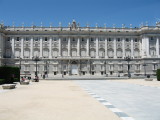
x,y
74,68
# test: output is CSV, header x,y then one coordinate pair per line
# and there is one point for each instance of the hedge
x,y
2,81
9,74
158,74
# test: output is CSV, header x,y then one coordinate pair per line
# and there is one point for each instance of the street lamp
x,y
47,62
144,68
90,67
128,59
36,59
105,68
20,59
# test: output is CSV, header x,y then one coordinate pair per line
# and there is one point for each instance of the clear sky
x,y
111,12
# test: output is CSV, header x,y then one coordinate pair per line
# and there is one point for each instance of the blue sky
x,y
111,12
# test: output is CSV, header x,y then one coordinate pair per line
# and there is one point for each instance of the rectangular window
x,y
27,38
17,38
92,39
118,39
127,40
8,38
45,38
36,39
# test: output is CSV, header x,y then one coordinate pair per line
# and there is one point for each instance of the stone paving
x,y
51,100
132,97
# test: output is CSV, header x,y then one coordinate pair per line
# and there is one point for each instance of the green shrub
x,y
9,73
158,74
16,80
2,81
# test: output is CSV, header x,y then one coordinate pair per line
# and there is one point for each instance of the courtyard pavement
x,y
137,98
51,100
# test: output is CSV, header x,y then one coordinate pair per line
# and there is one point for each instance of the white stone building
x,y
81,51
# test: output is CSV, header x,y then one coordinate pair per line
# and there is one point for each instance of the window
x,y
82,39
151,38
27,38
109,39
101,39
45,38
136,40
17,38
64,39
118,39
55,39
73,39
92,39
36,38
127,40
8,38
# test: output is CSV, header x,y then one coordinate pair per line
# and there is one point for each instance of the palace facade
x,y
81,51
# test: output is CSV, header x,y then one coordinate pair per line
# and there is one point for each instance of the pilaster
x,y
78,47
132,49
59,46
97,47
13,40
41,46
157,47
22,47
115,50
50,47
31,48
123,47
87,47
106,56
69,46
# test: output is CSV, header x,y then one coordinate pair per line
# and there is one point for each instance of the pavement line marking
x,y
126,118
117,111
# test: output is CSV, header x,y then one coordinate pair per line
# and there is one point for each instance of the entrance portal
x,y
74,68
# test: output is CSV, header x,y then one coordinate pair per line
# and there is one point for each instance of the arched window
x,y
36,52
110,53
92,52
119,53
83,52
101,53
55,52
17,53
45,53
64,52
74,52
26,53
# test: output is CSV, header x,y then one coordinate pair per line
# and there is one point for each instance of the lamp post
x,y
128,59
47,62
105,68
36,59
20,59
144,68
90,67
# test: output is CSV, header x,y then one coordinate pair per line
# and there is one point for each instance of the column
x,y
59,46
132,49
115,50
22,47
97,46
106,55
50,47
78,47
87,47
145,46
157,47
41,46
31,48
13,47
69,46
123,47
